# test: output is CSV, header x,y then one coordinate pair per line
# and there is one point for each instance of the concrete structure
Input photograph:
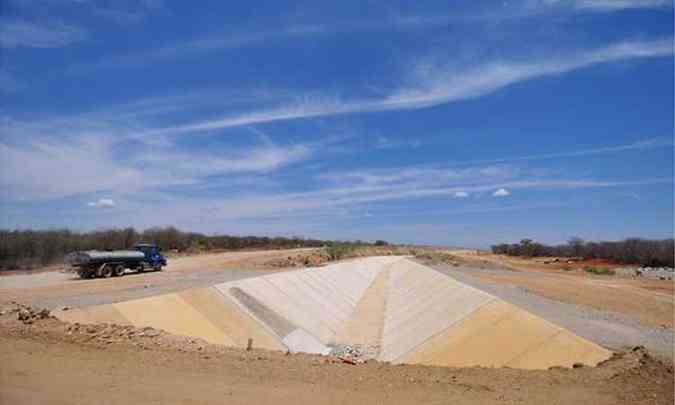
x,y
401,311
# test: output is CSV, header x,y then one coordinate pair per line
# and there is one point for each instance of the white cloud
x,y
324,202
502,192
383,142
438,85
102,203
461,194
53,168
261,158
18,32
61,158
612,5
435,85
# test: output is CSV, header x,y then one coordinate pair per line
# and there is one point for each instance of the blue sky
x,y
465,124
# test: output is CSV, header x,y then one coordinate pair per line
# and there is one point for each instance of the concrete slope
x,y
365,326
499,334
396,309
204,313
421,303
318,301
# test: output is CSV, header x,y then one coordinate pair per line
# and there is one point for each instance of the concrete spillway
x,y
398,310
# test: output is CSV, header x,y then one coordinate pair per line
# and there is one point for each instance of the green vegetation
x,y
29,249
600,271
341,250
645,252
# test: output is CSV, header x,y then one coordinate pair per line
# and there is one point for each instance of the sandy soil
x,y
47,361
651,302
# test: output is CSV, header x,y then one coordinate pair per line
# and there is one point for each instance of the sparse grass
x,y
436,257
340,250
600,271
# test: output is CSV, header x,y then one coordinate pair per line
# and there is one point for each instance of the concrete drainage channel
x,y
385,308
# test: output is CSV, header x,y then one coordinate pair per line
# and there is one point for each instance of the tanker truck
x,y
114,263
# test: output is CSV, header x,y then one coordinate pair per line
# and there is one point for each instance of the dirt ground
x,y
47,361
651,302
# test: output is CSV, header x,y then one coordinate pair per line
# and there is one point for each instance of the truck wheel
x,y
119,271
157,268
107,272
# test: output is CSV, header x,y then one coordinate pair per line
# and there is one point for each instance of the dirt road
x,y
49,362
651,302
613,330
54,289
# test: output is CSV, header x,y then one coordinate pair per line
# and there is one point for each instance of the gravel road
x,y
612,330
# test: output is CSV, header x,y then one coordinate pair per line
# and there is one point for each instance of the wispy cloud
x,y
102,203
253,36
40,162
16,32
325,201
383,142
434,85
612,5
44,168
645,144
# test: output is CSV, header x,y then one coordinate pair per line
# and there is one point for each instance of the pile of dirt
x,y
25,313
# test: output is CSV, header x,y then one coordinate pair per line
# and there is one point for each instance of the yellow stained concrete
x,y
500,334
92,315
563,350
365,324
173,314
226,316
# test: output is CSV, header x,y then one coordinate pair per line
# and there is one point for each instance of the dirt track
x,y
53,289
651,302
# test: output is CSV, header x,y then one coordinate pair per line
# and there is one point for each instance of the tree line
x,y
25,249
645,252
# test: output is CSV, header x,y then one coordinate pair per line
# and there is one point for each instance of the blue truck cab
x,y
152,254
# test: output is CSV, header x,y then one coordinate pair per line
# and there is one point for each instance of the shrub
x,y
600,271
644,252
339,250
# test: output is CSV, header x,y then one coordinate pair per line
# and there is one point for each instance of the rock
x,y
24,315
578,365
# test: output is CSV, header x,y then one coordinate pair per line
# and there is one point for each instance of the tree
x,y
576,245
